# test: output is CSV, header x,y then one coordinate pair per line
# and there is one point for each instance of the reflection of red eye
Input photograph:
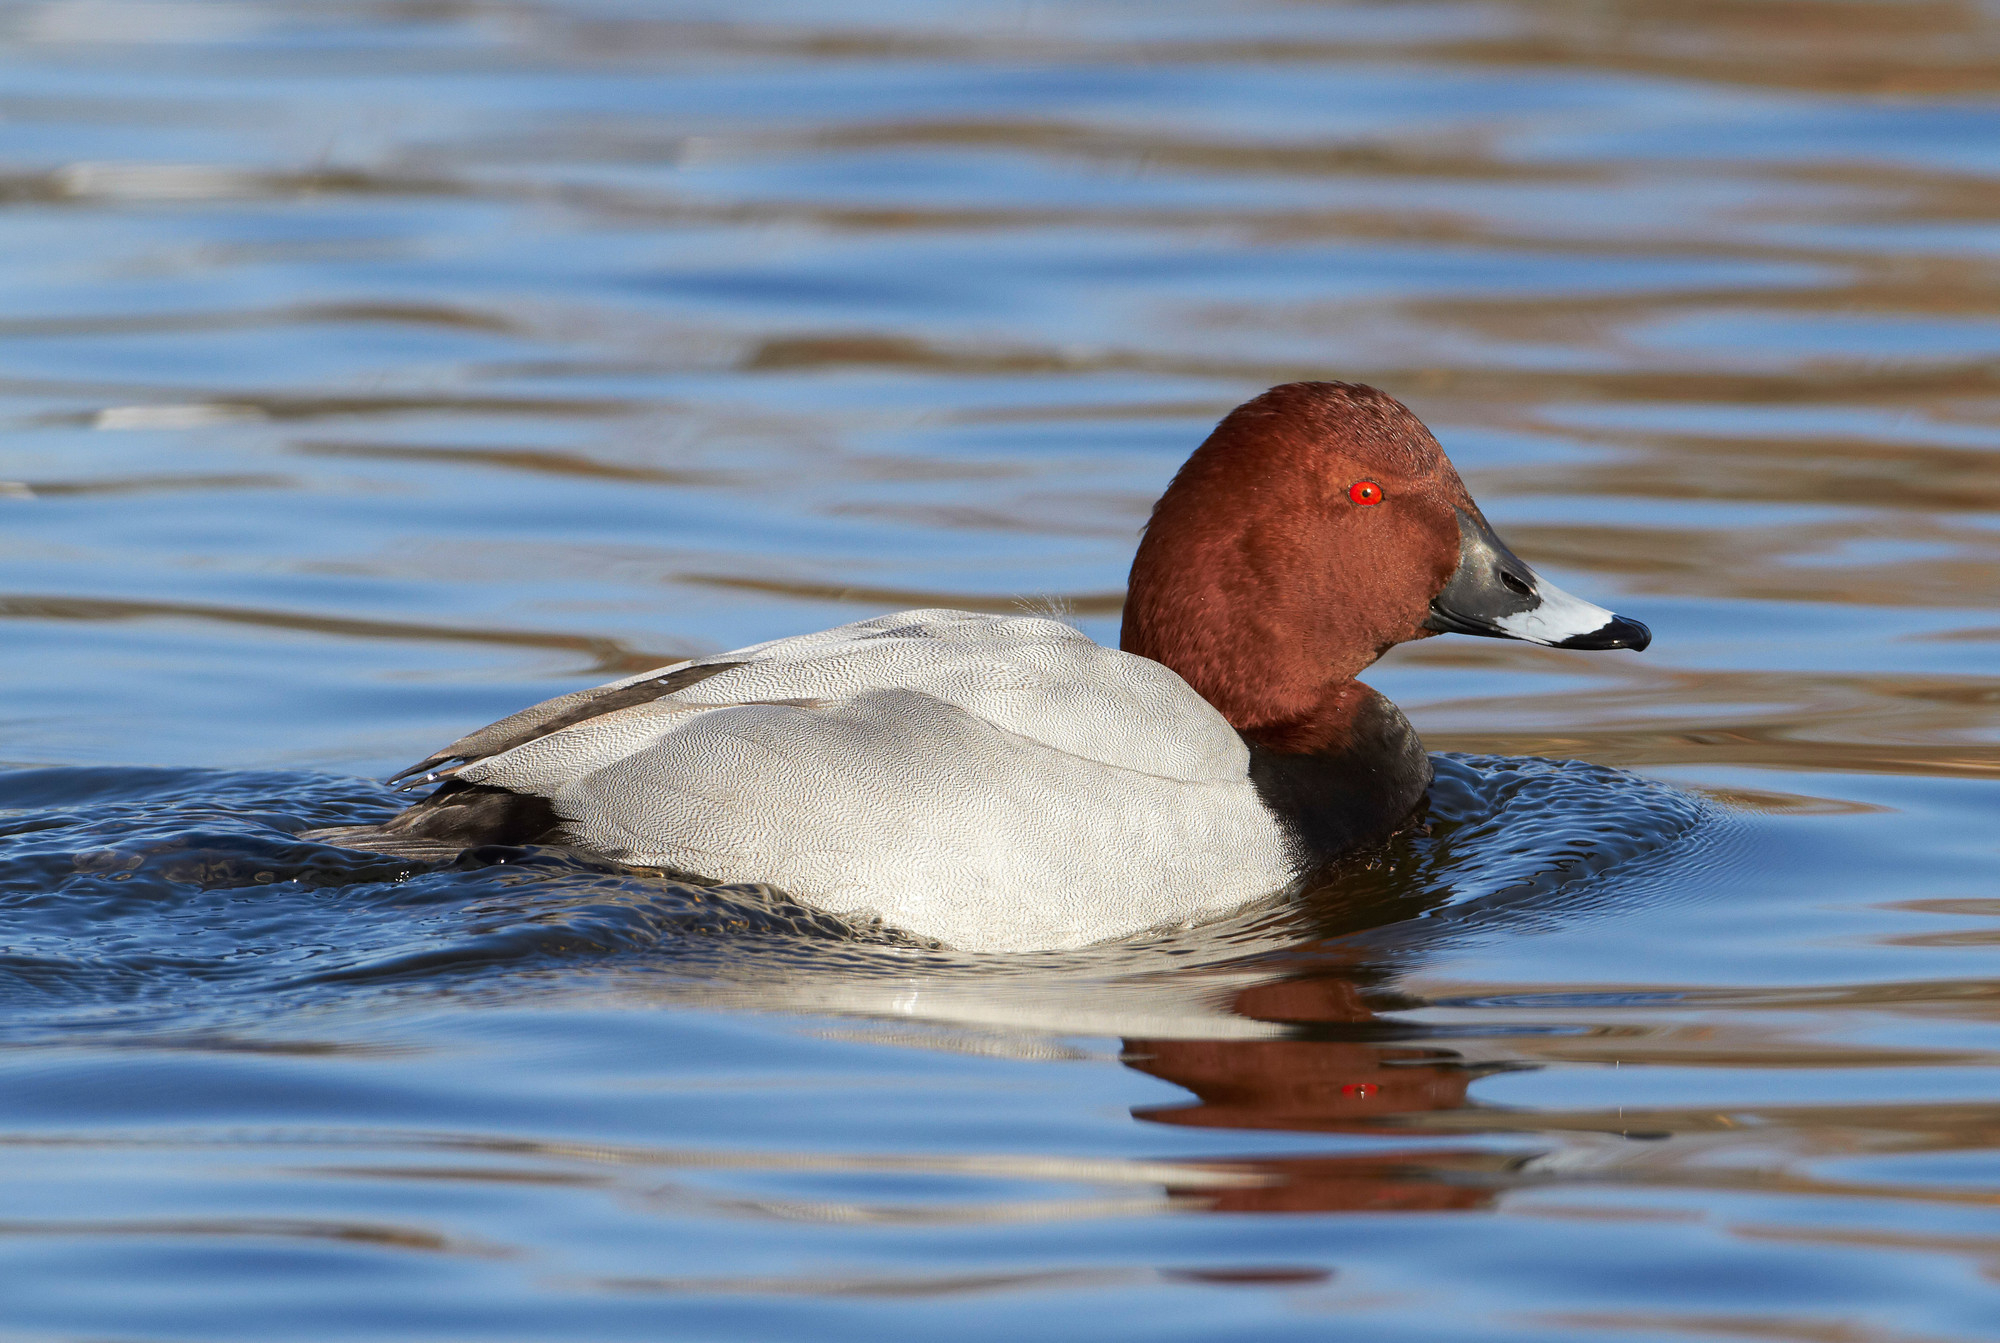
x,y
1359,1088
1365,492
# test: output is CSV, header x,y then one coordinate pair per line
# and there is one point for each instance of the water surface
x,y
369,370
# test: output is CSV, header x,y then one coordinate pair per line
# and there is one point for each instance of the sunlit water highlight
x,y
371,370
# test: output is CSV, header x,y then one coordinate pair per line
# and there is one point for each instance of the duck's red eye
x,y
1365,492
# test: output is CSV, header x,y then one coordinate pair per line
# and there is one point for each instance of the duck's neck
x,y
1328,725
1255,644
1243,616
1246,624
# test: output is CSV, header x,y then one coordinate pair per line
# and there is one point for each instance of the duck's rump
x,y
457,817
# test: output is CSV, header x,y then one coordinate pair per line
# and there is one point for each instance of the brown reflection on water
x,y
1322,1086
529,461
1934,47
141,323
374,1235
1100,144
891,599
160,484
1843,472
1643,715
1835,382
1963,999
605,655
1413,1090
1796,562
1776,1328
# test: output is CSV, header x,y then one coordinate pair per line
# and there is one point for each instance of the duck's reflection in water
x,y
1323,1085
1288,1015
1281,1016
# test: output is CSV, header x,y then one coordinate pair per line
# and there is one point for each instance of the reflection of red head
x,y
1309,1085
1319,1086
1304,1085
1416,1181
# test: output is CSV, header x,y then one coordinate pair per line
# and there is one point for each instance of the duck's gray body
x,y
993,782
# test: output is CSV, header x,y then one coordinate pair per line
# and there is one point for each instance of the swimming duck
x,y
1002,782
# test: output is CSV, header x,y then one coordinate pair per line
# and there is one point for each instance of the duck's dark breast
x,y
1361,790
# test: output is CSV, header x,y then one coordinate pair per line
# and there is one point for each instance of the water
x,y
369,370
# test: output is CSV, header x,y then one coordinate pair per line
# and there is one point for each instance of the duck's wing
x,y
580,706
1030,676
462,814
553,715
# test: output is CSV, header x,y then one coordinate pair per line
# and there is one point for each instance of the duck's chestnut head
x,y
1319,526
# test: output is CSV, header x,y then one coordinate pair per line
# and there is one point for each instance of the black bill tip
x,y
1619,633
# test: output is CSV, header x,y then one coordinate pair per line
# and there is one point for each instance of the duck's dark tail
x,y
457,817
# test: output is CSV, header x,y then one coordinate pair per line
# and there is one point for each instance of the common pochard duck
x,y
1002,782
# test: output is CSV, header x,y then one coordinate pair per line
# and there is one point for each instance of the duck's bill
x,y
1494,593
